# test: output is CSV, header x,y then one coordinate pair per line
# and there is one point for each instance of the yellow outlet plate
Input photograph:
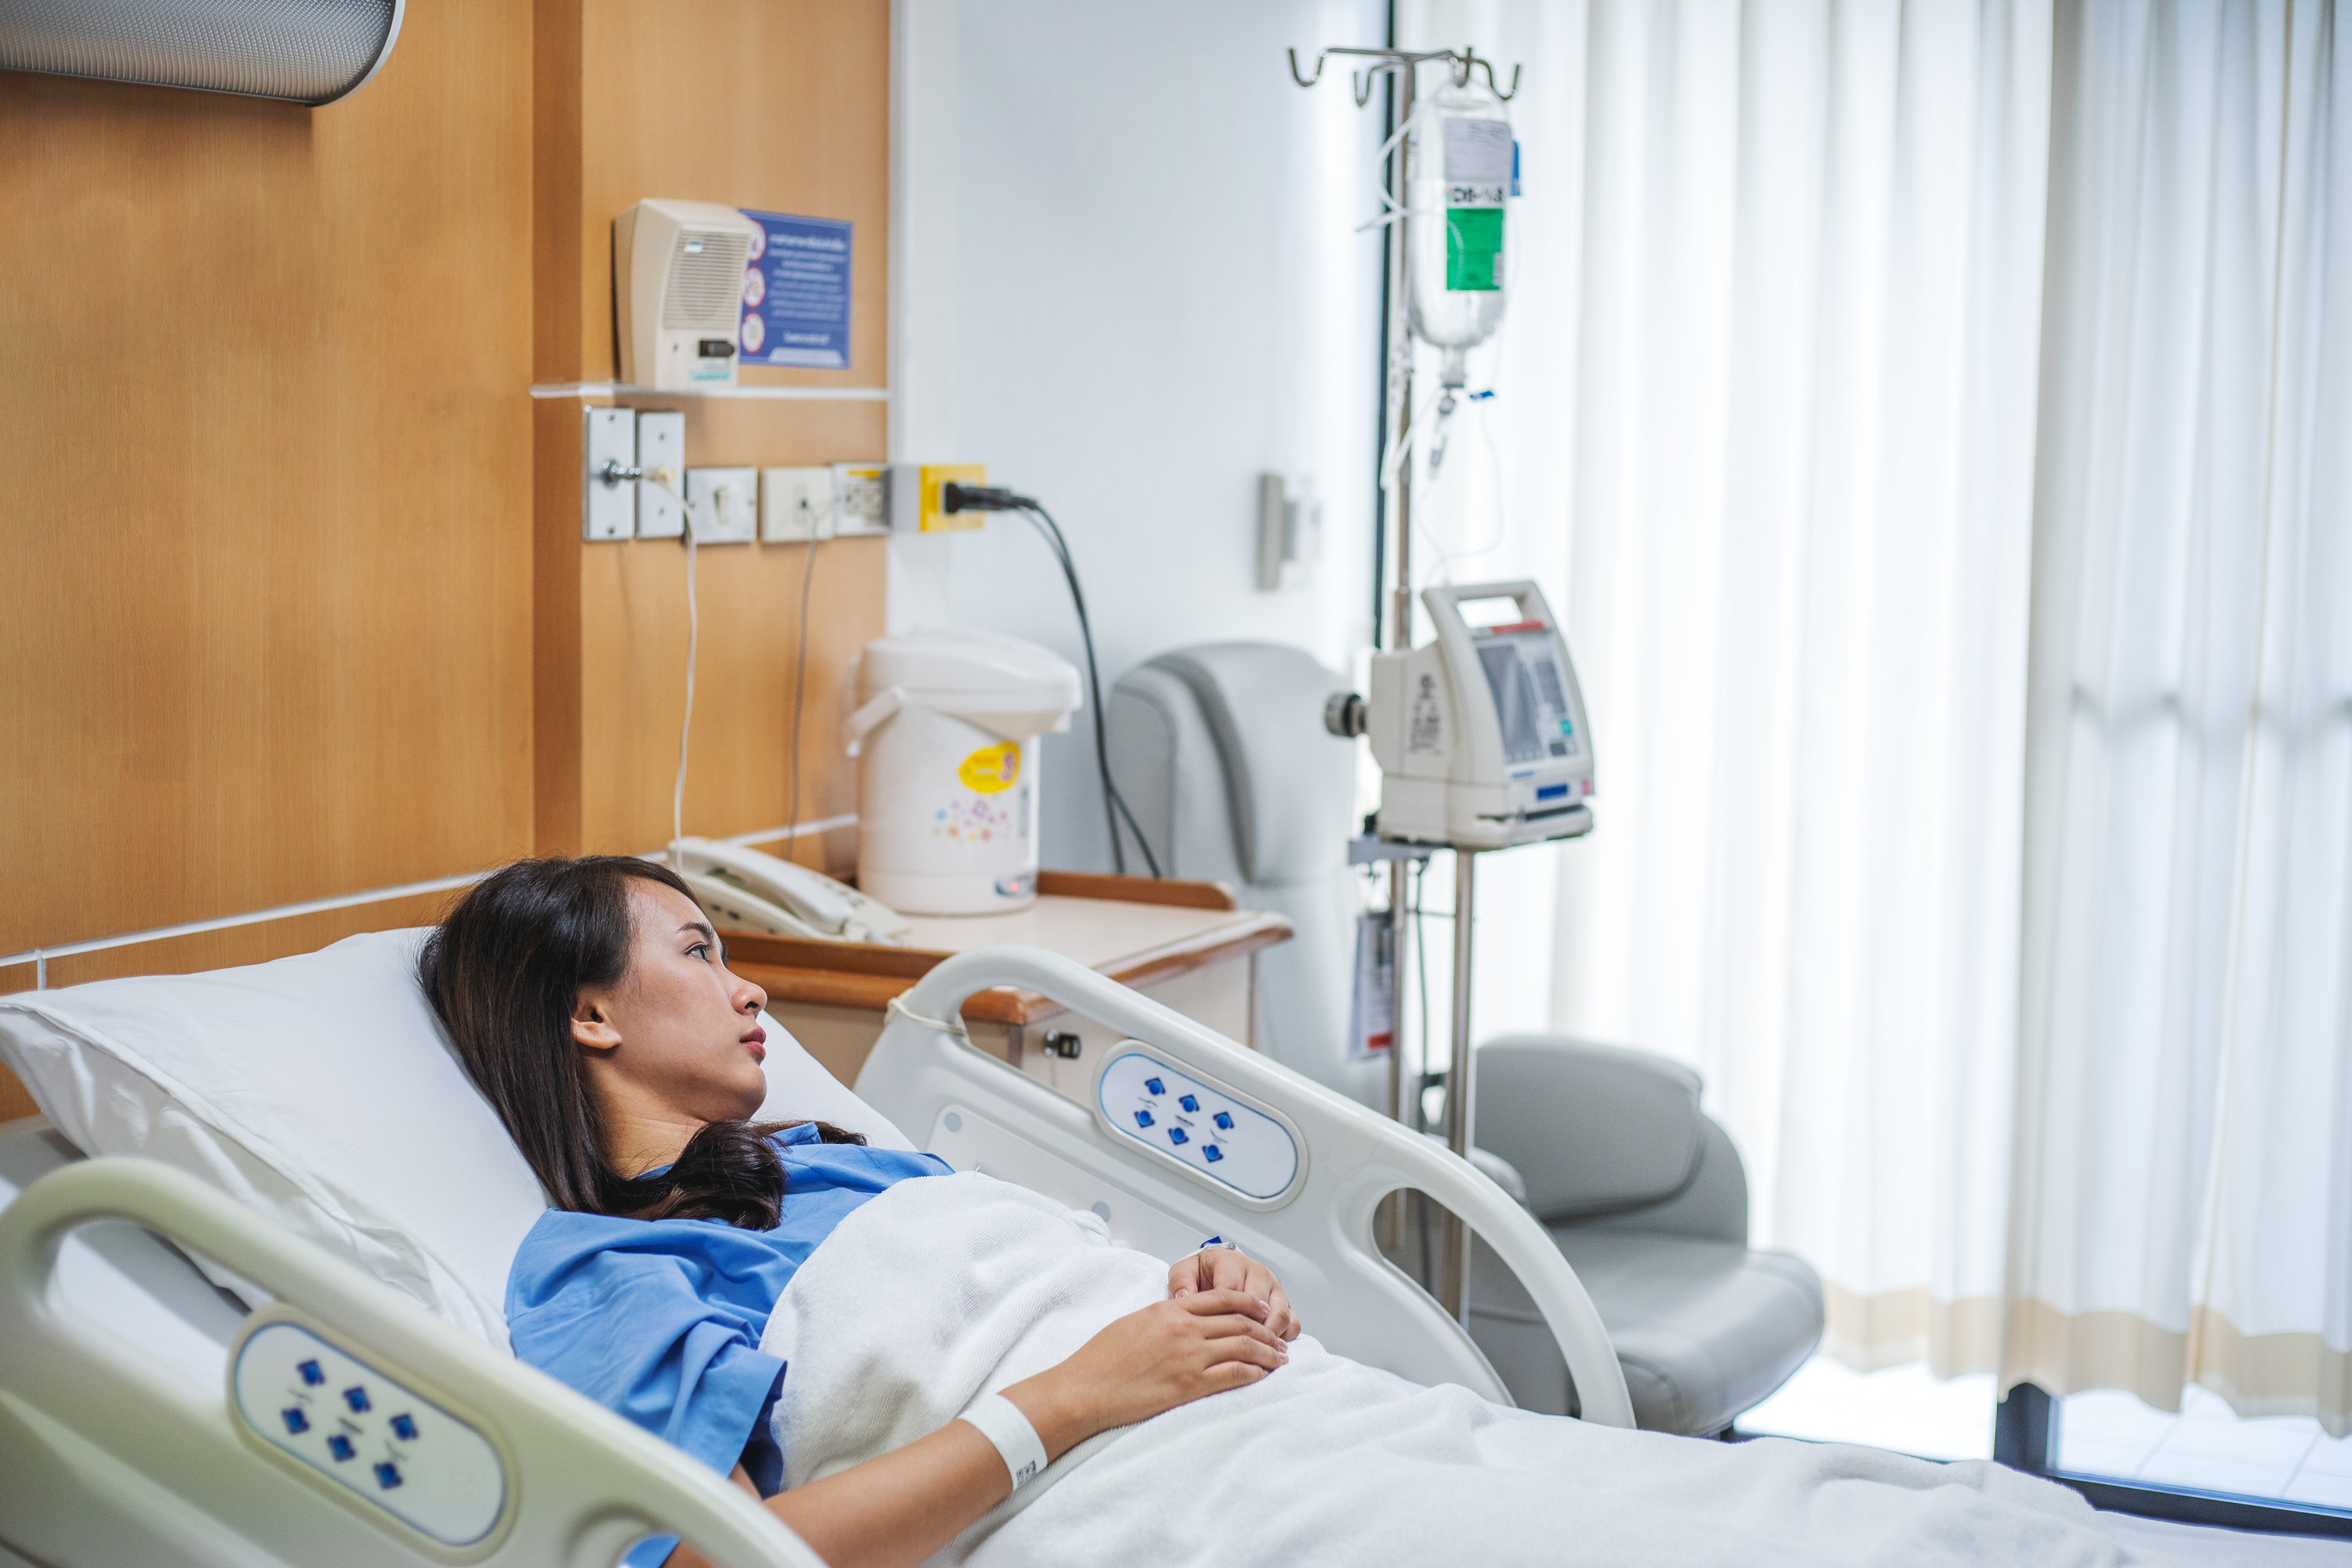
x,y
936,518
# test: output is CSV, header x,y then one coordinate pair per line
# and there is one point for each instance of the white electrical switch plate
x,y
723,505
661,455
607,509
1289,532
859,497
795,504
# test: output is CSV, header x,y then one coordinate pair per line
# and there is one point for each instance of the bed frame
x,y
111,1455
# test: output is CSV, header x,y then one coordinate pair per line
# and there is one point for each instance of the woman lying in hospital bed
x,y
881,1348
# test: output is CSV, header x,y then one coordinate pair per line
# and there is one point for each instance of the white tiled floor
x,y
2105,1432
2207,1447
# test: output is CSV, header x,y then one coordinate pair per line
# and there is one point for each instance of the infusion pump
x,y
1480,734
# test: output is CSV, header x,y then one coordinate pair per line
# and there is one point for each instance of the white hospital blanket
x,y
943,1290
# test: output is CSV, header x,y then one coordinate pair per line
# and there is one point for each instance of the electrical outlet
x,y
795,505
661,459
723,505
611,439
914,498
860,497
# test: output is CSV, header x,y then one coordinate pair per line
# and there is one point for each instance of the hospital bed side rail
x,y
89,1420
1316,1234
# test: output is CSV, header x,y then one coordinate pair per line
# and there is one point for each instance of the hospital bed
x,y
336,1207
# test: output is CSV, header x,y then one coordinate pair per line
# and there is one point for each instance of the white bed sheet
x,y
134,1285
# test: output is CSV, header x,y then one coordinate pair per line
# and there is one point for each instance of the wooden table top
x,y
1135,929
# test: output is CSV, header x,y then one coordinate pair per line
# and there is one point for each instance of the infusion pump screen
x,y
1530,700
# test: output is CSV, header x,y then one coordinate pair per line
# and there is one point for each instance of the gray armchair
x,y
1647,1200
1221,753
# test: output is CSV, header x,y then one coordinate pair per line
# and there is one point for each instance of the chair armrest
x,y
1591,1129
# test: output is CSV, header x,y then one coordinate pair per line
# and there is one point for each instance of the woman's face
x,y
677,1040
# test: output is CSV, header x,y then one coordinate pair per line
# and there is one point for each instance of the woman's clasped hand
x,y
1223,1326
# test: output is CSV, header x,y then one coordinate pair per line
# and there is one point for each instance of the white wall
x,y
1156,294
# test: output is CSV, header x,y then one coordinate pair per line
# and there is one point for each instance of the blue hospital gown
x,y
660,1319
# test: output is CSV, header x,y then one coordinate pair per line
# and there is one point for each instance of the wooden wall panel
x,y
298,605
782,105
738,780
268,596
775,104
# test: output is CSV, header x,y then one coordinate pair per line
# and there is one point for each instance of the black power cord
x,y
955,498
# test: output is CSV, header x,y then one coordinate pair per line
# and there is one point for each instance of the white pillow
x,y
320,1090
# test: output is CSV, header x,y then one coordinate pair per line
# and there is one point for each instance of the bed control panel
x,y
367,1433
1199,1126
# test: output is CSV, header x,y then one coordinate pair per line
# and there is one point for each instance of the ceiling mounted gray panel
x,y
313,51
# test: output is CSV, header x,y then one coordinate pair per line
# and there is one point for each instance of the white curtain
x,y
2183,1206
1787,258
1933,418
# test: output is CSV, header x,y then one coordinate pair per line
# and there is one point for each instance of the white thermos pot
x,y
945,734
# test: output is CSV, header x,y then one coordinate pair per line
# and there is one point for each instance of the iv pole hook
x,y
1462,64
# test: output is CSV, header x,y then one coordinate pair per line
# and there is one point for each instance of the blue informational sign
x,y
796,293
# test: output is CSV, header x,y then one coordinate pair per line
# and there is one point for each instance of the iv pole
x,y
1401,67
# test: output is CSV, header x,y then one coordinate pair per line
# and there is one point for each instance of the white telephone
x,y
742,889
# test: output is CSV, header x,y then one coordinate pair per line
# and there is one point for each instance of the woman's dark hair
x,y
505,971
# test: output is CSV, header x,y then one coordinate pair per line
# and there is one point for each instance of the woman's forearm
x,y
904,1506
899,1508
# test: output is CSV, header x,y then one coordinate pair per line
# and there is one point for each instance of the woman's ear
x,y
592,1026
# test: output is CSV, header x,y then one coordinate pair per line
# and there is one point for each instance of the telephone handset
x,y
742,889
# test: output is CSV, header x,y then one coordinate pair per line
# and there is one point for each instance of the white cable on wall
x,y
800,693
686,725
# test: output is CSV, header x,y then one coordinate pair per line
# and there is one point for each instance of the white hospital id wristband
x,y
1001,1422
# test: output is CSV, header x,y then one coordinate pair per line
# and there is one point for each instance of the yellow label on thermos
x,y
992,768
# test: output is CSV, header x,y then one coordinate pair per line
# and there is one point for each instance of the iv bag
x,y
1458,177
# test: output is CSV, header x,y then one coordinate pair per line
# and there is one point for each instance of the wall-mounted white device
x,y
1480,734
678,286
1289,533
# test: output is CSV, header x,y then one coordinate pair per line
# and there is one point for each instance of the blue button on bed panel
x,y
1143,1119
386,1444
1250,1152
